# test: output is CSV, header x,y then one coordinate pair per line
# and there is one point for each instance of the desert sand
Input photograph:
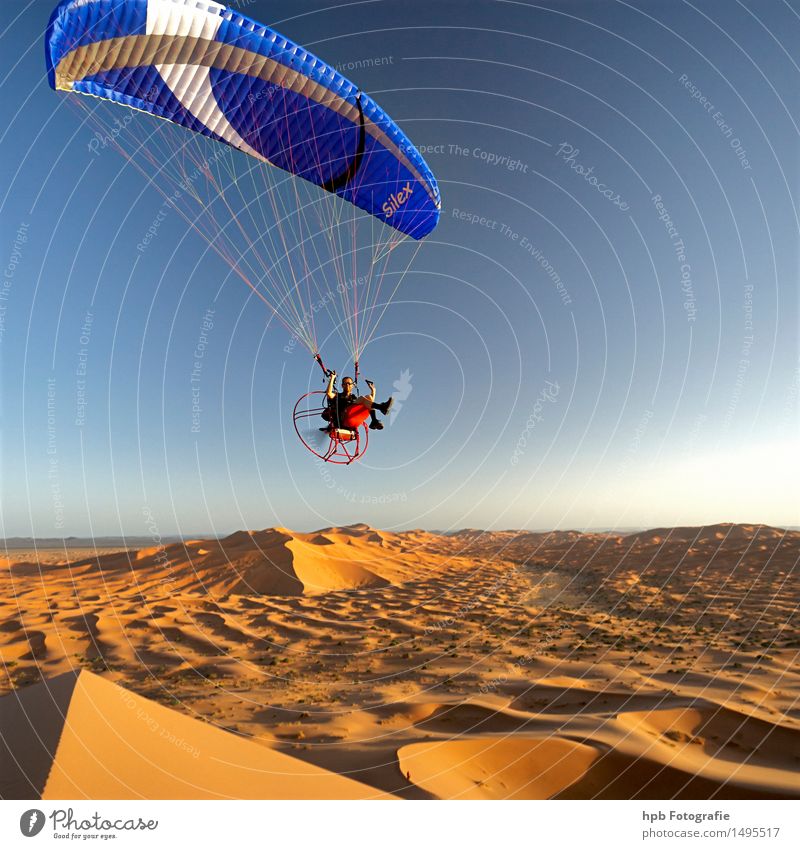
x,y
357,663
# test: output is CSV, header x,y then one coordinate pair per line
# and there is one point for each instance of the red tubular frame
x,y
339,449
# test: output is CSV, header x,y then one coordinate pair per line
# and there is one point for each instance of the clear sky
x,y
602,331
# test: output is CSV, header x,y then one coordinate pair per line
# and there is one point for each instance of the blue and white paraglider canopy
x,y
216,72
312,214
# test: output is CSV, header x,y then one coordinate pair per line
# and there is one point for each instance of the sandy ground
x,y
476,665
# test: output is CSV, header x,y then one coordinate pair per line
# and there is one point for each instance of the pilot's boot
x,y
384,407
374,424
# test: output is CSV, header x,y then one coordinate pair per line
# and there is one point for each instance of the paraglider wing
x,y
214,71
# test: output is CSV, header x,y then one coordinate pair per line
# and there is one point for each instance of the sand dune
x,y
479,664
101,741
270,562
497,768
723,734
610,759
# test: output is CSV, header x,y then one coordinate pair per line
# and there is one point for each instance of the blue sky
x,y
602,331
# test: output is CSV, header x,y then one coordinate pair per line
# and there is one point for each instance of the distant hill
x,y
82,542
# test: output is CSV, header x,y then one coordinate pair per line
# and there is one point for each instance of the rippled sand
x,y
474,665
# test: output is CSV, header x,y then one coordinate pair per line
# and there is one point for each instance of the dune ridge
x,y
105,742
